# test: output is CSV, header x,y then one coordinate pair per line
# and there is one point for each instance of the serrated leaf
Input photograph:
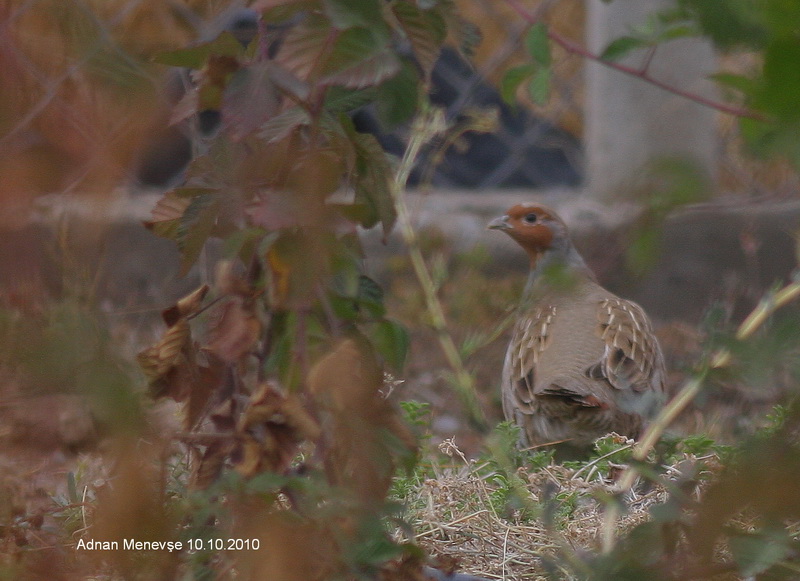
x,y
185,108
197,56
358,60
196,227
620,47
287,10
355,58
186,216
243,243
341,100
251,98
166,215
372,179
539,86
391,341
304,44
282,125
537,44
511,81
397,97
349,13
426,31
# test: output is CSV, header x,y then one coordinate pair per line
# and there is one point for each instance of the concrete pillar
x,y
630,122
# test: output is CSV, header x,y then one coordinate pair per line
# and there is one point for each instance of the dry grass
x,y
466,512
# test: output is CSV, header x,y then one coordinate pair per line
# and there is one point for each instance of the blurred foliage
x,y
280,363
296,339
767,29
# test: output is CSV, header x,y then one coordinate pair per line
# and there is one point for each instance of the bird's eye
x,y
530,218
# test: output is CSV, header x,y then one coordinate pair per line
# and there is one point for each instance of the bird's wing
x,y
632,359
531,337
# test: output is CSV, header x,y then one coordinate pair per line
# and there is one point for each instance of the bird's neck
x,y
558,269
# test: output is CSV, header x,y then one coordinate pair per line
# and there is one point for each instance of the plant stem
x,y
719,359
643,447
573,47
427,125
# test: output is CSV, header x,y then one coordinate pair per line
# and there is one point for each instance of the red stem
x,y
573,47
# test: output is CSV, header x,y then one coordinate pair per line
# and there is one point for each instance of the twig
x,y
766,307
427,125
719,359
573,47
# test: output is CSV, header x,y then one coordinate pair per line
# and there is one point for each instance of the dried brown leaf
x,y
188,305
297,264
222,416
276,423
357,423
287,542
170,207
158,360
236,331
211,464
184,108
208,381
227,281
247,459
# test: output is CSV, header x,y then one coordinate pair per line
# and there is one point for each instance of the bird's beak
x,y
500,223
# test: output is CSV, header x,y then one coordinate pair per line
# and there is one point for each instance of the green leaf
x,y
426,31
288,10
757,553
349,13
538,44
620,47
370,296
511,81
539,87
738,82
675,32
196,227
780,93
341,100
251,98
391,341
282,125
372,179
358,60
397,97
733,22
243,243
195,58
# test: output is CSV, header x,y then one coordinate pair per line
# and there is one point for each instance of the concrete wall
x,y
628,121
704,250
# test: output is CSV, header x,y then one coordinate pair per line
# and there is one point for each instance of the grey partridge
x,y
582,362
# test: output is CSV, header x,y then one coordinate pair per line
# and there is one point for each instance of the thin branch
x,y
717,360
573,47
429,124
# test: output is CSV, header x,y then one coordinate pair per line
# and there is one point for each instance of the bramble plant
x,y
295,339
280,362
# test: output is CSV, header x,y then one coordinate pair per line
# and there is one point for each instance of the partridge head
x,y
582,362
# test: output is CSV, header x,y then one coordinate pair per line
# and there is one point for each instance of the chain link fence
x,y
85,109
